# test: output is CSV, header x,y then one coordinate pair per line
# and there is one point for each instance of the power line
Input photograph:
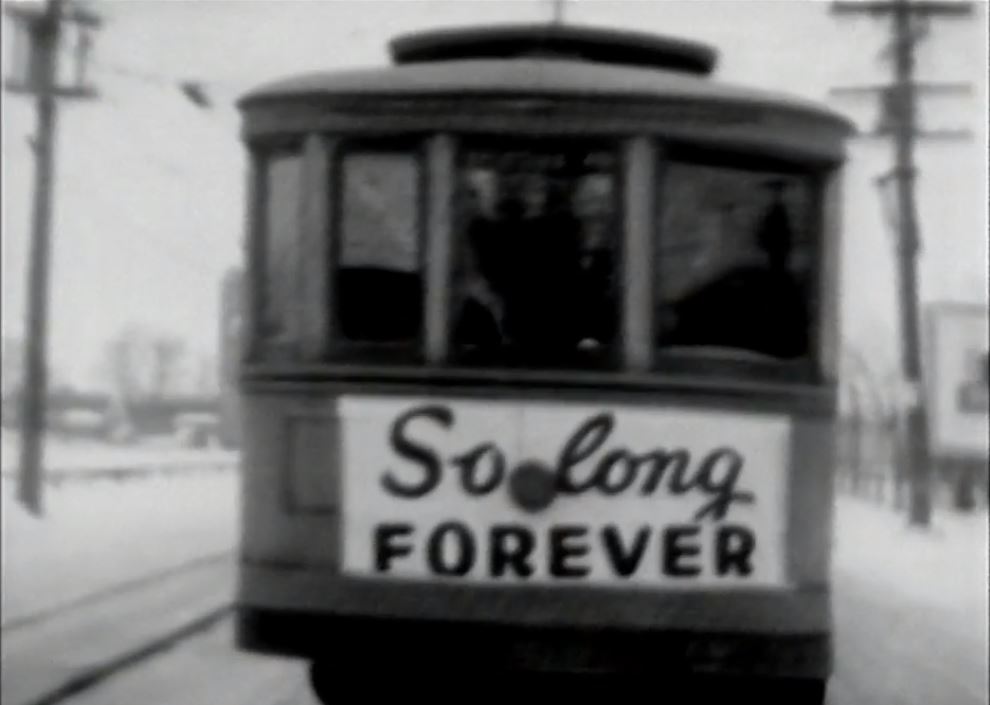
x,y
149,237
178,176
128,224
205,94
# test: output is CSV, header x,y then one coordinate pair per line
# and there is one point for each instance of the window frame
x,y
264,347
440,158
339,348
611,358
806,369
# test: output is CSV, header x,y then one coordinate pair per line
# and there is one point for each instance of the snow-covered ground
x,y
943,568
98,534
71,456
937,574
910,608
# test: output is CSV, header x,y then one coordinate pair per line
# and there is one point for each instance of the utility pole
x,y
900,110
37,73
558,11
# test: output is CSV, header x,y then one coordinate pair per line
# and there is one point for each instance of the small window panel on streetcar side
x,y
378,259
535,264
280,250
735,265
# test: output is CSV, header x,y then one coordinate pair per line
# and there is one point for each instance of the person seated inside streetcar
x,y
760,306
537,272
479,322
596,285
517,289
480,280
542,302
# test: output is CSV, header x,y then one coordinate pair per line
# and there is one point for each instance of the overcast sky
x,y
150,187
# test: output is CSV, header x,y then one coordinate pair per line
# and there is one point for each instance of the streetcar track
x,y
131,658
129,471
111,592
897,629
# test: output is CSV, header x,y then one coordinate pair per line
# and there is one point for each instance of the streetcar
x,y
540,365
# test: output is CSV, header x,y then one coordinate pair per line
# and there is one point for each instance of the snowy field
x,y
98,534
71,456
942,569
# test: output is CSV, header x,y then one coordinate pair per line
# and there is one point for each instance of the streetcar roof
x,y
527,61
588,43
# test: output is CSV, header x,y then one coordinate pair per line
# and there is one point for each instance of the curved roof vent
x,y
555,41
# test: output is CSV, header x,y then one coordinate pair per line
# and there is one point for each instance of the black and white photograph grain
x,y
547,351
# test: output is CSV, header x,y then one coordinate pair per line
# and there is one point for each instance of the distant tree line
x,y
150,380
139,363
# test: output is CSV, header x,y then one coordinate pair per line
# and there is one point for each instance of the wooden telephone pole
x,y
900,103
36,72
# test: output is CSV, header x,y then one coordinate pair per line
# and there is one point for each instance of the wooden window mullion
x,y
314,284
439,211
255,298
827,314
639,194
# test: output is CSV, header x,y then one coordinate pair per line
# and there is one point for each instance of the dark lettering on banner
x,y
677,550
566,546
625,559
586,463
724,488
616,472
457,535
511,547
453,549
659,462
734,550
428,460
483,468
588,438
387,547
472,480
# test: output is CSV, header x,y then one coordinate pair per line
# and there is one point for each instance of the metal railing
x,y
871,466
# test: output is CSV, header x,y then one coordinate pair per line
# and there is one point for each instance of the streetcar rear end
x,y
539,372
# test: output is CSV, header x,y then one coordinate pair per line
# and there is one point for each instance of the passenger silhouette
x,y
530,287
542,302
758,307
479,319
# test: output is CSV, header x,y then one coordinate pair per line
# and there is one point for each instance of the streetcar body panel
x,y
637,486
300,577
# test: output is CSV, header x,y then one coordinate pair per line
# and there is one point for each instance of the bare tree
x,y
167,357
140,363
120,365
208,375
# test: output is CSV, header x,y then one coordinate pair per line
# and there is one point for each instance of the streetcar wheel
x,y
331,680
804,691
796,691
323,683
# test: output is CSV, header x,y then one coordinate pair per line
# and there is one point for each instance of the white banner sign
x,y
958,386
528,493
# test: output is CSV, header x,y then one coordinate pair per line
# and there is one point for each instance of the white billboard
x,y
449,489
958,392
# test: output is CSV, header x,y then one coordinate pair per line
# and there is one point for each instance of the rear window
x,y
379,273
281,246
734,262
536,247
